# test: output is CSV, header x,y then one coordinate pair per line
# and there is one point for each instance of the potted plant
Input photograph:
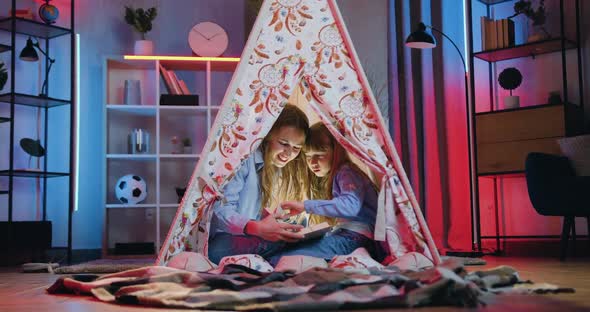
x,y
186,146
537,17
509,79
3,75
141,20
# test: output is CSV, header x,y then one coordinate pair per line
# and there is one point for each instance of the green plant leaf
x,y
129,16
140,19
526,7
510,78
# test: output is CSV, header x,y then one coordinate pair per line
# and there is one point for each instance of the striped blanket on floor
x,y
240,288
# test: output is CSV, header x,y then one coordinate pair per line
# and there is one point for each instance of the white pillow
x,y
412,261
251,261
191,261
359,260
577,149
299,263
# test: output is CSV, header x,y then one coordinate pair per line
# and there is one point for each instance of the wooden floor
x,y
26,292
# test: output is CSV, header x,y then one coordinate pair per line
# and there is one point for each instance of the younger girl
x,y
274,172
339,189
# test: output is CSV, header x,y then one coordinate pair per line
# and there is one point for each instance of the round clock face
x,y
208,39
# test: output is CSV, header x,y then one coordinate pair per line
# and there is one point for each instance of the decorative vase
x,y
143,47
132,92
511,101
48,12
176,145
139,141
537,33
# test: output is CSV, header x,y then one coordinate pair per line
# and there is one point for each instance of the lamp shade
x,y
32,147
28,53
420,39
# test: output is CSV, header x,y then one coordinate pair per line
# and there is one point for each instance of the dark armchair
x,y
555,190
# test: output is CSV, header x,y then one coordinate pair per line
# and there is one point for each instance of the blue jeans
x,y
339,242
224,244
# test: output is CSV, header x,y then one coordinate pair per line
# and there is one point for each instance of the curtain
x,y
427,110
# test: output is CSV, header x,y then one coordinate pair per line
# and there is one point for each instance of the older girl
x,y
273,173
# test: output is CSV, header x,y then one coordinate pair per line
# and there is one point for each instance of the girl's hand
x,y
294,207
271,230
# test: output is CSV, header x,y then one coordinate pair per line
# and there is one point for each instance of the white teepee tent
x,y
299,44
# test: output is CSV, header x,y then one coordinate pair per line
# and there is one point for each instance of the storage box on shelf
x,y
167,164
504,137
55,136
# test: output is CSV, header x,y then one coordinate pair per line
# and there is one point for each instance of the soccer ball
x,y
131,189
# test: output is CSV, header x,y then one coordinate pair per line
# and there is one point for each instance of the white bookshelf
x,y
161,167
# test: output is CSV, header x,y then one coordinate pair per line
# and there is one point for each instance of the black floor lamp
x,y
30,55
421,39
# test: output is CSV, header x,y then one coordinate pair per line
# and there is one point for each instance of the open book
x,y
316,231
310,232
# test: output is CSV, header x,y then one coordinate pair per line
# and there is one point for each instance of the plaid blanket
x,y
243,289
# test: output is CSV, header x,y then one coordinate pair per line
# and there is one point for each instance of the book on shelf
x,y
493,38
499,33
177,82
484,32
488,34
508,32
174,81
167,81
183,87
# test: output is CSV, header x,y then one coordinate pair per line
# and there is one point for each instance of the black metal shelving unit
x,y
559,44
15,26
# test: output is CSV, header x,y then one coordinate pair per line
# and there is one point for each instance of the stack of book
x,y
496,34
22,13
178,92
173,84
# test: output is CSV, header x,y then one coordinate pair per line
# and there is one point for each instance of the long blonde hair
x,y
293,176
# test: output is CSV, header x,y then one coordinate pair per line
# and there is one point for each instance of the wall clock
x,y
208,39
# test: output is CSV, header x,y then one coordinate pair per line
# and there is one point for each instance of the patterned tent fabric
x,y
299,44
